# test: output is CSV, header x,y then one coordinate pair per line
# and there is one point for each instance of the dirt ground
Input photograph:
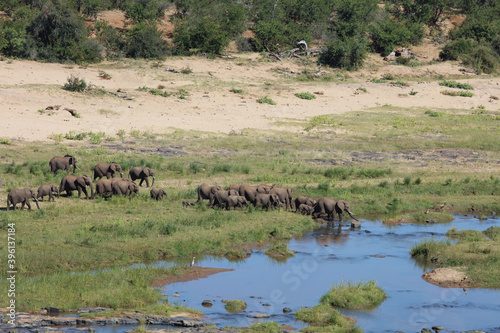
x,y
27,88
194,273
448,278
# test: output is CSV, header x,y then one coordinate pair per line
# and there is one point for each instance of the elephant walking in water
x,y
331,206
143,174
71,183
22,196
62,163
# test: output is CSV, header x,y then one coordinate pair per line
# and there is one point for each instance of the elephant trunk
x,y
74,168
92,193
350,214
36,201
153,181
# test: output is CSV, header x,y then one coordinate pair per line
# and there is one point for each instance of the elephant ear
x,y
341,204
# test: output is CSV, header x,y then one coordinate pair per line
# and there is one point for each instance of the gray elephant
x,y
143,174
303,200
125,187
47,190
62,163
158,193
104,187
107,170
285,195
207,192
233,187
305,209
267,200
251,191
71,183
234,201
22,196
331,206
220,197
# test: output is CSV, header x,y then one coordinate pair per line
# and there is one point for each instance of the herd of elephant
x,y
265,196
271,196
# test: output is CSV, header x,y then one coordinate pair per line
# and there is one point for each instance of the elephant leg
x,y
147,182
142,180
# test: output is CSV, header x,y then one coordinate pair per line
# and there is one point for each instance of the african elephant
x,y
305,209
126,187
62,163
207,192
251,191
285,195
330,206
233,187
47,190
143,174
303,200
107,169
158,193
71,183
104,186
235,201
267,200
22,196
220,197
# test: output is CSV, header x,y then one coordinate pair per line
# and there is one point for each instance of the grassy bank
x,y
477,253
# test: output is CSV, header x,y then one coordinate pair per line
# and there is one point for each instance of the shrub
x,y
144,41
266,100
354,296
5,141
483,59
305,95
457,93
388,33
455,84
75,84
235,306
456,49
203,35
347,54
434,113
236,91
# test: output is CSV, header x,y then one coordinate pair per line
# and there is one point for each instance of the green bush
x,y
354,296
305,95
203,35
455,49
235,306
75,84
266,100
455,84
388,33
347,54
483,59
144,41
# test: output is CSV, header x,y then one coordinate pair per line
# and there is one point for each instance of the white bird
x,y
192,262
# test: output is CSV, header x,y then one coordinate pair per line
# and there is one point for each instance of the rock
x,y
224,301
176,295
437,328
430,221
287,310
260,315
207,303
378,256
355,225
368,232
266,304
425,330
51,309
92,310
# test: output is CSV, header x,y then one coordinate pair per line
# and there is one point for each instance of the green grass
x,y
324,318
477,255
457,93
305,95
357,296
266,100
235,306
279,249
236,91
455,84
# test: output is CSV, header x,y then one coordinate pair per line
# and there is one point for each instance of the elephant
x,y
47,190
187,204
235,201
104,186
62,163
220,197
330,206
267,200
233,187
71,183
251,191
126,187
207,192
107,169
157,193
22,196
285,195
303,200
305,209
143,174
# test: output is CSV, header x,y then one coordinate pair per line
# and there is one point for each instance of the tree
x,y
144,41
419,11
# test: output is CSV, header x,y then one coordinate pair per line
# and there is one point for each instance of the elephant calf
x,y
157,193
47,190
22,196
305,209
234,201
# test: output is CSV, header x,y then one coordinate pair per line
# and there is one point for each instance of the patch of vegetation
x,y
401,83
492,233
357,296
104,75
5,141
324,318
266,100
362,89
375,80
279,249
455,84
318,121
434,113
236,91
75,84
305,95
465,235
457,93
72,135
186,70
235,306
